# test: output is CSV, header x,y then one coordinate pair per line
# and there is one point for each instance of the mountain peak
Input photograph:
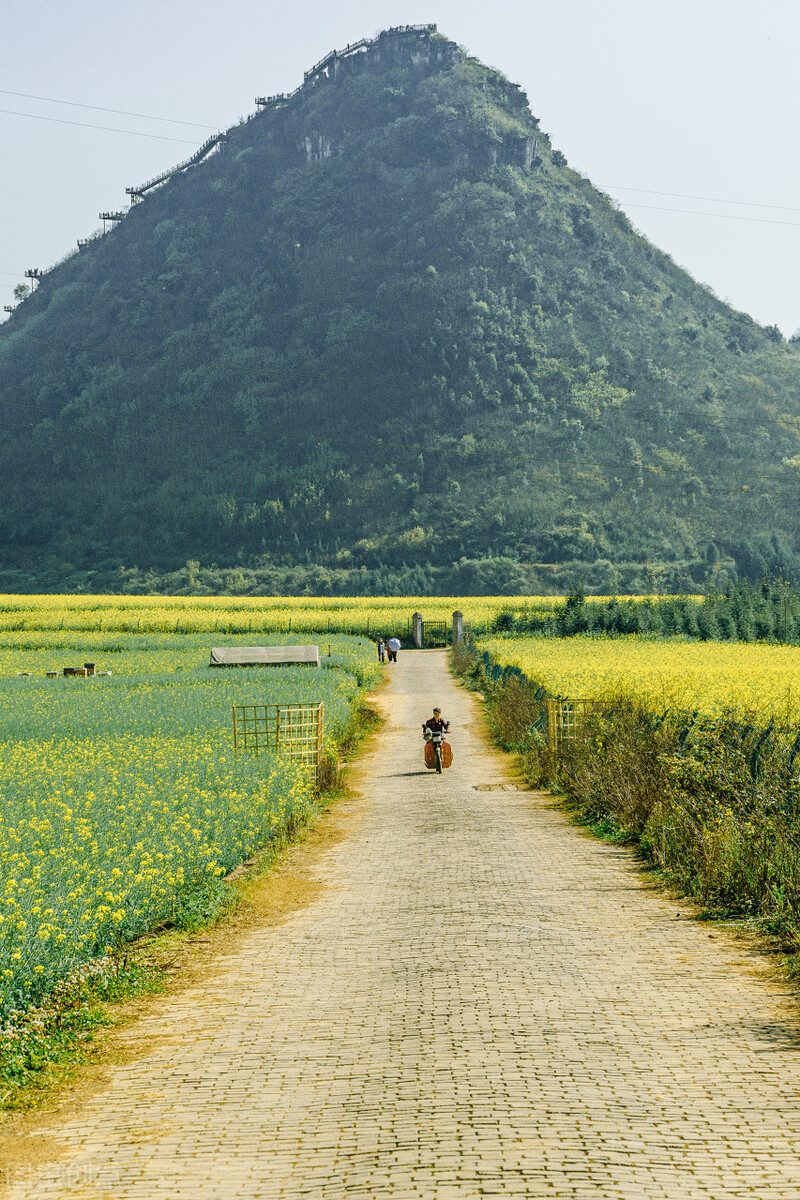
x,y
399,46
380,327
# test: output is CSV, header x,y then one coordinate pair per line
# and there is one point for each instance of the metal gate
x,y
294,730
564,719
434,634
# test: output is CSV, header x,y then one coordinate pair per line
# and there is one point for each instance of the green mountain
x,y
382,335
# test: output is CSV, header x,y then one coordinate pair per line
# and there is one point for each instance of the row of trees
x,y
490,576
768,611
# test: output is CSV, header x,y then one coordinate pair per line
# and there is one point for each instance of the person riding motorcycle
x,y
437,750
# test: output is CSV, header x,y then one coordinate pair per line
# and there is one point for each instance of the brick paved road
x,y
480,1001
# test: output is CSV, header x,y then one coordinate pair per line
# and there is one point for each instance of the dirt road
x,y
478,1001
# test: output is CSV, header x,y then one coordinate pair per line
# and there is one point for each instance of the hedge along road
x,y
477,1000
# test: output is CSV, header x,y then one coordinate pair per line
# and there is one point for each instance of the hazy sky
x,y
697,98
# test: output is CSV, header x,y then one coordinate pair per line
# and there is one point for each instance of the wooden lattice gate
x,y
293,730
565,718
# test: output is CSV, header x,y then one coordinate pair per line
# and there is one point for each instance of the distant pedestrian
x,y
393,645
381,650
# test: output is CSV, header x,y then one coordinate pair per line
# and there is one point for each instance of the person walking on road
x,y
393,646
381,650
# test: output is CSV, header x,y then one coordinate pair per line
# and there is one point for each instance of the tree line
x,y
767,611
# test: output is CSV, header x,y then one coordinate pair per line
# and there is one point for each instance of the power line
x,y
709,199
185,141
9,112
690,212
120,112
198,125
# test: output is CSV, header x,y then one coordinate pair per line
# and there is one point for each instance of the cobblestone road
x,y
480,1001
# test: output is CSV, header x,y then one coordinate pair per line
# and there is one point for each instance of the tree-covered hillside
x,y
386,329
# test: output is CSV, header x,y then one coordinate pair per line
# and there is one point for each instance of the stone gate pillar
x,y
458,627
416,629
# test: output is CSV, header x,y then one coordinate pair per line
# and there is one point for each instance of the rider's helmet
x,y
437,710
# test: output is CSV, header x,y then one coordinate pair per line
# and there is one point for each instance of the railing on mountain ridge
x,y
136,193
279,100
352,48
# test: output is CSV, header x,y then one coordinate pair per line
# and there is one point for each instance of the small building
x,y
265,656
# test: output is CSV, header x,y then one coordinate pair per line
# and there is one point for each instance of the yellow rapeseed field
x,y
231,614
707,676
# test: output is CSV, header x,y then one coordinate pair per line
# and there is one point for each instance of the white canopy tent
x,y
265,656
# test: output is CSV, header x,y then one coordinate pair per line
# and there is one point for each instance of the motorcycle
x,y
438,751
